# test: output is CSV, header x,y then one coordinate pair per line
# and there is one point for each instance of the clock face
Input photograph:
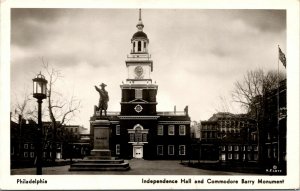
x,y
138,71
138,108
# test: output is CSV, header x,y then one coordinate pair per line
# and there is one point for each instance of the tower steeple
x,y
138,92
139,63
139,39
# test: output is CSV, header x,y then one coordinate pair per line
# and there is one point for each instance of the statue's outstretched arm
x,y
97,88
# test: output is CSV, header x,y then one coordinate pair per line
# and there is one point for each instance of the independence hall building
x,y
139,131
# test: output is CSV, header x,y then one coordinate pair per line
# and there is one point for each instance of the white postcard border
x,y
291,180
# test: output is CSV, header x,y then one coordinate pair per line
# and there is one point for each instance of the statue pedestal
x,y
101,140
100,159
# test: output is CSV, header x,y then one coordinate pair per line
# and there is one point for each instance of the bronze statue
x,y
103,99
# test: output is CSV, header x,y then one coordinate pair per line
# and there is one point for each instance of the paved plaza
x,y
138,167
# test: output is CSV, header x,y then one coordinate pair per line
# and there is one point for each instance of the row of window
x,y
236,156
227,124
26,146
230,130
234,123
171,130
237,148
214,134
160,149
45,154
31,154
75,130
209,135
160,130
138,137
171,150
49,145
209,127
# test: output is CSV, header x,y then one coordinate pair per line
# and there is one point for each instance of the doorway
x,y
138,152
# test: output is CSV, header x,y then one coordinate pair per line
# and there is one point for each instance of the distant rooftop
x,y
166,113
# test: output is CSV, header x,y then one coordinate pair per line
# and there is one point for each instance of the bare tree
x,y
250,93
223,105
22,106
60,110
272,78
57,108
250,90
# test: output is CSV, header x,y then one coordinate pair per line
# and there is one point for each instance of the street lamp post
x,y
40,93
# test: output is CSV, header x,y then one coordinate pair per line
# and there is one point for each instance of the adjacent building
x,y
228,138
273,134
66,143
209,140
78,145
22,142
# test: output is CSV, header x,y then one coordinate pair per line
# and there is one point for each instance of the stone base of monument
x,y
100,158
100,154
100,162
100,165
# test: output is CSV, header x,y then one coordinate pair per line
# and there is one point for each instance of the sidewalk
x,y
138,167
232,167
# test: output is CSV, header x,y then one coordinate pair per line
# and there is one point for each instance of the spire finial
x,y
140,14
140,24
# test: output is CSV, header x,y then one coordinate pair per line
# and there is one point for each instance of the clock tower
x,y
139,93
139,130
139,63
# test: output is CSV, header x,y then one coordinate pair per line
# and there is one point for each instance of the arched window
x,y
133,46
139,46
138,134
138,127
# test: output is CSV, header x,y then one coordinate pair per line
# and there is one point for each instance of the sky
x,y
198,54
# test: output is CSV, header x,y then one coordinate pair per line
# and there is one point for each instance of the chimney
x,y
186,110
20,125
20,119
175,109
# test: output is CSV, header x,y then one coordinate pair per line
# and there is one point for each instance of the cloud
x,y
197,54
68,39
19,15
29,26
264,20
